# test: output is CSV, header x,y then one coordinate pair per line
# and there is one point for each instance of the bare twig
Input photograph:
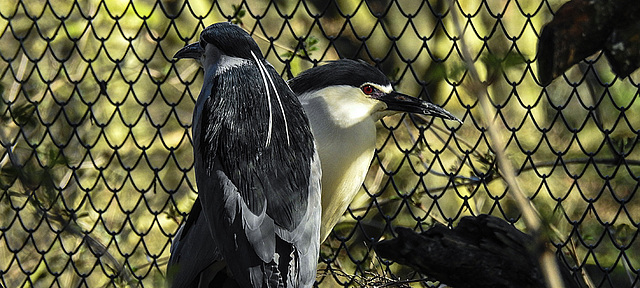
x,y
13,93
531,217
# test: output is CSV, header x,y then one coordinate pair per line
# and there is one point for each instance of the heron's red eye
x,y
368,89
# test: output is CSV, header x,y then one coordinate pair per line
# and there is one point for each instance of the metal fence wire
x,y
96,164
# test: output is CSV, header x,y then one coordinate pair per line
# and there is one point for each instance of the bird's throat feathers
x,y
225,63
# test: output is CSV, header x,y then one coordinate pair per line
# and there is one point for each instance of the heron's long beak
x,y
405,103
193,50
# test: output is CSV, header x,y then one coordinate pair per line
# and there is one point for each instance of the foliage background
x,y
96,166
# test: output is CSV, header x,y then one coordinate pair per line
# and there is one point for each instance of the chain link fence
x,y
96,164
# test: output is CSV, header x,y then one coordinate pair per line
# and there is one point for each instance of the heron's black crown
x,y
341,72
231,40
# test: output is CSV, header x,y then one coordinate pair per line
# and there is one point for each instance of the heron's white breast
x,y
345,134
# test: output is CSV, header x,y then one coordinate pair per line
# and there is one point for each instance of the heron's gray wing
x,y
247,237
306,237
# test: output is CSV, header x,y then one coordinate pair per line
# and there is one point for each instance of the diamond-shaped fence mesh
x,y
96,159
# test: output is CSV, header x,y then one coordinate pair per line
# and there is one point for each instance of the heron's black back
x,y
236,130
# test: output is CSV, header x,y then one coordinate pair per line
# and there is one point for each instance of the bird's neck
x,y
346,147
345,156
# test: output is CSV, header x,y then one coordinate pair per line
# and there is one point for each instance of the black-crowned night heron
x,y
257,170
344,99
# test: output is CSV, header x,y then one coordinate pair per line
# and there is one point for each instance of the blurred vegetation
x,y
96,166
